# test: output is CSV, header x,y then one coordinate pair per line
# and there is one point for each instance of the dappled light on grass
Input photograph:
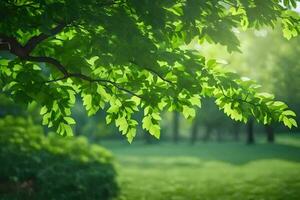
x,y
229,152
208,171
267,179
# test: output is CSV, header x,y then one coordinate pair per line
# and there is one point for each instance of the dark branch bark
x,y
23,52
35,40
49,60
8,43
11,44
4,46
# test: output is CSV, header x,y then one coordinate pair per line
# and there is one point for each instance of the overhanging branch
x,y
49,60
67,74
89,79
9,43
153,72
35,40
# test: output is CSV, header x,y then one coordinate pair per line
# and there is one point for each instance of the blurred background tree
x,y
269,58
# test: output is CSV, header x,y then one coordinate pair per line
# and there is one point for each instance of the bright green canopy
x,y
123,56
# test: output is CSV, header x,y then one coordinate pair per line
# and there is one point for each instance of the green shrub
x,y
35,166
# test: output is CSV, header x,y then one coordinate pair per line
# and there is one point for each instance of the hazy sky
x,y
298,7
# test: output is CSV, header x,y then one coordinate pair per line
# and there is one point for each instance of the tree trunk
x,y
250,133
219,136
175,127
207,134
194,132
147,137
2,114
236,131
270,133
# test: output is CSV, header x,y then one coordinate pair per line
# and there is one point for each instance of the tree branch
x,y
89,79
35,40
4,46
11,44
8,43
49,60
153,72
237,99
67,74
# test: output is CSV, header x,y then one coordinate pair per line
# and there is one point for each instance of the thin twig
x,y
153,72
89,79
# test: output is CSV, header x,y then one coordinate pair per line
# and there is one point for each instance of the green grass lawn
x,y
209,171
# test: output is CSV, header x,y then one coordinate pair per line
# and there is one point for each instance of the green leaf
x,y
289,113
65,130
293,122
195,100
103,93
43,110
68,130
161,105
156,116
287,122
137,100
131,134
211,63
188,112
46,118
87,101
155,131
147,123
113,109
122,123
108,119
69,120
266,95
92,60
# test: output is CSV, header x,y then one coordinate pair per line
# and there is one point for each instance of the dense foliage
x,y
129,55
277,68
34,166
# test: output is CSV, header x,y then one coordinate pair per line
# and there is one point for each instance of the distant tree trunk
x,y
250,133
219,136
77,130
270,133
207,134
175,127
2,113
194,132
236,131
147,137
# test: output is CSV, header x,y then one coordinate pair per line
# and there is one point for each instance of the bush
x,y
35,166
